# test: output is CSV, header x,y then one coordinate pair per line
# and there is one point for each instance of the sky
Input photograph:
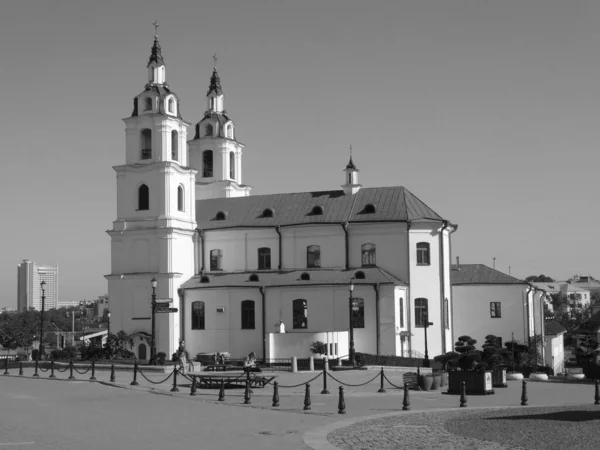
x,y
486,110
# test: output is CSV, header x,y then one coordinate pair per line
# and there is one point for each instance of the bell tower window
x,y
143,198
174,145
208,131
146,137
147,104
207,160
171,106
180,198
231,165
230,131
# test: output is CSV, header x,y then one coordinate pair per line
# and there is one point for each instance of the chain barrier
x,y
303,383
155,382
82,373
42,369
58,369
393,385
354,385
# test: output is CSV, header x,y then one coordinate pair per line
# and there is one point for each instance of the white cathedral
x,y
268,273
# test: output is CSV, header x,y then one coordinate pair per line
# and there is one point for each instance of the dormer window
x,y
229,131
359,275
305,276
369,208
253,277
171,105
147,104
205,279
208,130
267,213
317,211
220,215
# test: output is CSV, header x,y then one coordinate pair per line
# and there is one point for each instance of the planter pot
x,y
444,379
538,377
477,383
514,376
576,376
425,382
499,378
437,381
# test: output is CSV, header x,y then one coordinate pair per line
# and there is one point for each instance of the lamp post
x,y
41,350
154,283
351,337
108,316
426,325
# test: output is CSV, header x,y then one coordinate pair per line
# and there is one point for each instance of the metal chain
x,y
58,369
155,382
81,373
42,369
304,382
353,385
388,380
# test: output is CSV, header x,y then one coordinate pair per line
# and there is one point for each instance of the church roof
x,y
480,274
215,84
323,277
156,54
390,204
212,116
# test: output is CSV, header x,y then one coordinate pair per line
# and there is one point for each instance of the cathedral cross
x,y
155,23
215,59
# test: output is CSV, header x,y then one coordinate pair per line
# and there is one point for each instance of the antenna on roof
x,y
509,270
494,264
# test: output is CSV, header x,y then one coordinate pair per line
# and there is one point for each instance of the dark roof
x,y
350,164
292,278
554,329
215,83
212,116
391,204
156,53
590,326
480,274
162,91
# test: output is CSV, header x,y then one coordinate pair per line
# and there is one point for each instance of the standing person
x,y
182,358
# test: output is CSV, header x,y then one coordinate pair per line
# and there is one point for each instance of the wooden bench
x,y
231,378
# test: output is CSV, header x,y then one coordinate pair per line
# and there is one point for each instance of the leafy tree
x,y
492,357
468,358
19,329
538,279
588,350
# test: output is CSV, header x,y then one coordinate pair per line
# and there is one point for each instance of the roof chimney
x,y
457,263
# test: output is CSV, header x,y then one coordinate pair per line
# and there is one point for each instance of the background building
x,y
29,277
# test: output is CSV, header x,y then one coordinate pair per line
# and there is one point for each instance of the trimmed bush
x,y
591,371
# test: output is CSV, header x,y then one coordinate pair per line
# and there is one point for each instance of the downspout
x,y
454,228
377,321
443,287
201,234
408,302
181,292
345,228
527,330
278,230
264,318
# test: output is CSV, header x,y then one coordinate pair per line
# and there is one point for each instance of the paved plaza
x,y
44,413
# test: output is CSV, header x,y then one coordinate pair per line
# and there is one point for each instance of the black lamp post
x,y
426,325
108,316
41,350
351,340
154,283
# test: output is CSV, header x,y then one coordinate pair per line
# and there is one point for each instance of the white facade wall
x,y
161,127
555,353
329,237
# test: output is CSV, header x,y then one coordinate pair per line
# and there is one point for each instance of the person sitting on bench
x,y
250,364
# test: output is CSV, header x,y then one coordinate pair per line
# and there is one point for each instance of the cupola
x,y
351,185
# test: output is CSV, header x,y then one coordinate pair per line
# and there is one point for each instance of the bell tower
x,y
215,152
153,234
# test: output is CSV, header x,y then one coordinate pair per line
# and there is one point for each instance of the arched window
x,y
368,254
264,258
446,315
216,259
207,160
421,312
253,277
317,211
305,276
220,216
248,315
369,208
208,130
358,312
180,198
230,131
359,275
300,311
174,145
198,315
268,212
313,256
401,310
423,253
171,105
142,352
143,198
231,165
146,137
147,104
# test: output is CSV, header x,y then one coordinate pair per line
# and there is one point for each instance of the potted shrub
x,y
468,368
437,381
514,353
494,361
426,381
445,360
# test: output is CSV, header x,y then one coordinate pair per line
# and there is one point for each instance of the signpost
x,y
166,310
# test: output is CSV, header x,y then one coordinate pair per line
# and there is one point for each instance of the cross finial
x,y
215,59
350,151
155,23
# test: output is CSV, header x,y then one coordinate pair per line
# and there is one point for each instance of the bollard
x,y
524,394
174,388
222,391
35,374
324,391
135,369
311,363
71,377
307,397
294,364
6,366
93,377
463,395
406,400
381,389
52,369
597,396
419,379
247,394
275,394
193,388
341,402
112,373
20,368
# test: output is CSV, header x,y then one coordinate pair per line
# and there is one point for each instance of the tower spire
x,y
156,63
351,185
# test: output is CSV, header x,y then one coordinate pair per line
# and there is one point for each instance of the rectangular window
x,y
300,313
423,253
495,311
401,312
446,315
198,315
264,258
358,313
248,315
421,313
216,260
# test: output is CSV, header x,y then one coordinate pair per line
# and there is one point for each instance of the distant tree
x,y
538,279
19,330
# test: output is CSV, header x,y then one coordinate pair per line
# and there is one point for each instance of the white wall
x,y
286,345
555,353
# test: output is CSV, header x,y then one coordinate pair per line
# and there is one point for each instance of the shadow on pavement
x,y
564,416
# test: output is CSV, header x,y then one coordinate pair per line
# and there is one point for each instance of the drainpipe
x,y
345,228
527,330
452,231
377,322
408,302
264,319
201,234
278,230
443,286
180,292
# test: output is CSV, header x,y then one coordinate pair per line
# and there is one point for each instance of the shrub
x,y
161,356
388,360
318,348
591,371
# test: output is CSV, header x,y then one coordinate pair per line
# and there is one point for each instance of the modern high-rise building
x,y
29,292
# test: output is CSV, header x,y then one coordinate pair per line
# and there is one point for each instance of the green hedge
x,y
367,359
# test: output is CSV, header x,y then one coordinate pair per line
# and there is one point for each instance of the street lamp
x,y
351,340
41,350
426,325
108,316
154,283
